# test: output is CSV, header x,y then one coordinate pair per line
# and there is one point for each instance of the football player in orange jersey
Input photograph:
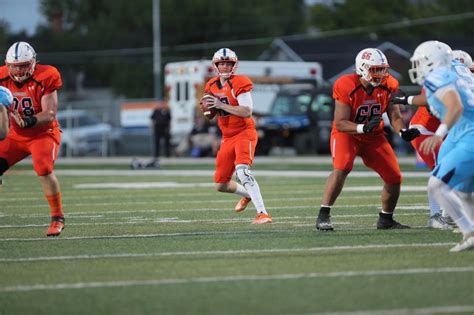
x,y
6,100
34,129
230,95
360,100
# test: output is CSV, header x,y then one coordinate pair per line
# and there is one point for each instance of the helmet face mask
x,y
372,65
225,55
427,57
21,61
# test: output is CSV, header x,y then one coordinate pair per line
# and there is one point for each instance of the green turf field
x,y
178,248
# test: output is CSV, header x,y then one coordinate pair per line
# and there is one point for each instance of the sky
x,y
21,14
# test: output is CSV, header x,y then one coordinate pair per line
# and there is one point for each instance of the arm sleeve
x,y
245,99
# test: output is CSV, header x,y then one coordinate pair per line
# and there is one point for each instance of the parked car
x,y
300,117
83,134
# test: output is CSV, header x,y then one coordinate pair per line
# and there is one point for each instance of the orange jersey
x,y
27,96
229,124
349,90
423,118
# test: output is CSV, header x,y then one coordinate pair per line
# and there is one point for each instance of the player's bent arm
x,y
241,111
395,116
342,115
454,108
245,106
4,123
418,100
49,107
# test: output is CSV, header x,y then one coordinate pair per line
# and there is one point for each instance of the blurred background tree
x,y
109,42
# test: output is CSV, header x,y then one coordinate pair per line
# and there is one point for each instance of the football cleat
x,y
465,244
242,204
262,218
56,226
323,223
449,220
437,222
387,222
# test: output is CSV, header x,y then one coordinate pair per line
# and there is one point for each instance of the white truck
x,y
184,84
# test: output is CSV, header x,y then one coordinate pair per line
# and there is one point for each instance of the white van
x,y
184,84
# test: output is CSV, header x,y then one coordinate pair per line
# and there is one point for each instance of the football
x,y
209,113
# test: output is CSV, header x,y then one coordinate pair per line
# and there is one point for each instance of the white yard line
x,y
236,278
137,220
210,173
225,252
225,201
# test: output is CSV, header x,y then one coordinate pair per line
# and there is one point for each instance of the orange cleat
x,y
262,218
56,226
242,204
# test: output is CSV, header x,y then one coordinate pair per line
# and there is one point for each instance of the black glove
x,y
399,98
373,122
409,134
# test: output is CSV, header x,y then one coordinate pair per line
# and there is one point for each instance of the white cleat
x,y
437,222
465,244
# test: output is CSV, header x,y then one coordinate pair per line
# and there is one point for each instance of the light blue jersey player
x,y
451,100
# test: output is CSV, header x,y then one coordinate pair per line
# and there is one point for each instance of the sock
x,y
386,215
56,205
434,205
251,185
324,211
242,191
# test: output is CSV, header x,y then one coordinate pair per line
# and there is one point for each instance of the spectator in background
x,y
6,100
204,138
161,123
34,129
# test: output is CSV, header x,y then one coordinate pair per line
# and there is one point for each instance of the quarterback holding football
x,y
228,97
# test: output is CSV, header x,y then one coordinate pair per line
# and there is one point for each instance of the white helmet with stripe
x,y
225,54
21,61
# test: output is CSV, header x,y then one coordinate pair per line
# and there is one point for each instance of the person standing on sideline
x,y
6,100
229,95
161,123
34,130
361,99
451,100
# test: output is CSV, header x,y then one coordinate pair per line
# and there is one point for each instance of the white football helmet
x,y
462,57
225,54
427,57
372,65
21,61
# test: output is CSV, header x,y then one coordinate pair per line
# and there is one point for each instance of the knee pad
x,y
434,185
244,175
3,166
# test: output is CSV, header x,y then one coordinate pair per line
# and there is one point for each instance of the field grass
x,y
180,249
